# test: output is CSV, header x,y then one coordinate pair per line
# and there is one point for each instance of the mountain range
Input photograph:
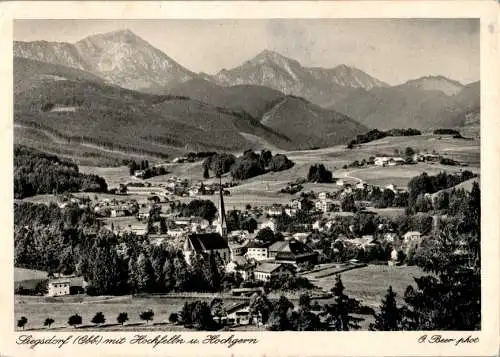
x,y
121,82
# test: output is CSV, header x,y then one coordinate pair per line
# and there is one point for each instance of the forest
x,y
39,173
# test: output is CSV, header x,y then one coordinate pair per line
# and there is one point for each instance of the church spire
x,y
221,220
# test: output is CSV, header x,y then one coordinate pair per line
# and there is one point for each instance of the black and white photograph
x,y
247,175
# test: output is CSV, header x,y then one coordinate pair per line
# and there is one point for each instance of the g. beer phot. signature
x,y
447,340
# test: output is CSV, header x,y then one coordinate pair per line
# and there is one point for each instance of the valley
x,y
242,200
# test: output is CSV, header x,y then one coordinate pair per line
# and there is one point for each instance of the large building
x,y
206,243
210,243
292,251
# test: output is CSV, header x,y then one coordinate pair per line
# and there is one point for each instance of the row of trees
x,y
39,173
376,134
98,319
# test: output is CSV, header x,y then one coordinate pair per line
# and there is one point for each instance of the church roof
x,y
207,241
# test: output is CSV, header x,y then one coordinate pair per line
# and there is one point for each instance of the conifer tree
x,y
449,298
389,317
144,274
339,314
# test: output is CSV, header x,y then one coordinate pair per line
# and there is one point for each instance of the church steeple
x,y
221,220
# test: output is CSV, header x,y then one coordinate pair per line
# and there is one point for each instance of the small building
x,y
58,288
236,250
382,160
291,212
65,286
275,210
242,266
323,195
411,236
391,187
258,251
266,271
340,182
361,185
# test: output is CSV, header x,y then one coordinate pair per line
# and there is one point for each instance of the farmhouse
x,y
266,271
292,251
65,286
382,160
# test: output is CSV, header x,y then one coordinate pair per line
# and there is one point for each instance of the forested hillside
x,y
37,173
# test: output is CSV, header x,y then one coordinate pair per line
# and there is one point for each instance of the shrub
x,y
173,318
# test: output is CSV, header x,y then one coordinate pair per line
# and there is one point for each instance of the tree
x,y
173,318
217,309
318,173
22,322
260,305
280,319
144,274
409,152
347,204
389,318
265,235
147,315
339,314
75,320
98,318
122,318
48,322
163,225
449,298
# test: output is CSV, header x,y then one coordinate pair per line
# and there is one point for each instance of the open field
x,y
21,274
37,309
370,284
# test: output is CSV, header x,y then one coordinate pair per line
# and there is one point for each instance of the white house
x,y
340,182
411,236
323,196
382,160
391,187
275,210
58,287
325,205
257,251
292,212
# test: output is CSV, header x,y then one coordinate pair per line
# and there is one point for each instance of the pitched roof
x,y
257,244
207,241
268,267
291,246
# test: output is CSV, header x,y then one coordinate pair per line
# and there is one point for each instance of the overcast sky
x,y
390,50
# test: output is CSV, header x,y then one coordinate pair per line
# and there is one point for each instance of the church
x,y
210,243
